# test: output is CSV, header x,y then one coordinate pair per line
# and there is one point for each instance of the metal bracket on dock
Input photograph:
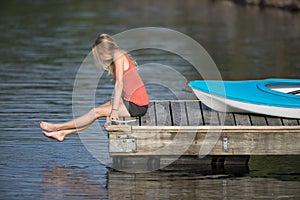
x,y
123,144
225,144
123,136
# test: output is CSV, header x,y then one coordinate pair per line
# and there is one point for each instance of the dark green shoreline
x,y
293,5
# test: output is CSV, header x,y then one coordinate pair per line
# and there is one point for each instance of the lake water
x,y
43,44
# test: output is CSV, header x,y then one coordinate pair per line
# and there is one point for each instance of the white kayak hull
x,y
223,104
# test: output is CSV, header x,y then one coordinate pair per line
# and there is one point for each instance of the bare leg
x,y
59,131
81,121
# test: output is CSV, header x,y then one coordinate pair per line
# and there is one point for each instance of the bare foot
x,y
57,135
48,126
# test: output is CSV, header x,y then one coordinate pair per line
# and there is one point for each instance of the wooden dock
x,y
183,128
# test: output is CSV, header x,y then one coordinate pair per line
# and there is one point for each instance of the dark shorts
x,y
135,110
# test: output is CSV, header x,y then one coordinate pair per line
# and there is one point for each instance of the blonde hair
x,y
105,44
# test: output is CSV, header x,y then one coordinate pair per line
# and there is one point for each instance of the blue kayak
x,y
278,97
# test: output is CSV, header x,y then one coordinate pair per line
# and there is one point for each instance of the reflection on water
x,y
42,46
196,186
71,182
74,182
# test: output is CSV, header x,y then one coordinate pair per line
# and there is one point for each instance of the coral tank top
x,y
133,87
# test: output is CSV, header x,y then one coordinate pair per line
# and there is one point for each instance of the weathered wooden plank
x,y
115,130
149,119
242,119
210,116
179,115
174,140
242,140
204,129
163,114
289,122
266,143
226,119
274,121
258,120
194,113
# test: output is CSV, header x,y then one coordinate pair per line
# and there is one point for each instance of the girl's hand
x,y
114,115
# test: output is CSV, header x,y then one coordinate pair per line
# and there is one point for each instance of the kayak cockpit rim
x,y
273,86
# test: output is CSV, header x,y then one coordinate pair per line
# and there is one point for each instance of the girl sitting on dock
x,y
133,102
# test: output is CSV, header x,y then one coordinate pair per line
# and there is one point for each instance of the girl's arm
x,y
119,69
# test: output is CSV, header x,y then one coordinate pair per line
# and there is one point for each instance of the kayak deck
x,y
259,92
